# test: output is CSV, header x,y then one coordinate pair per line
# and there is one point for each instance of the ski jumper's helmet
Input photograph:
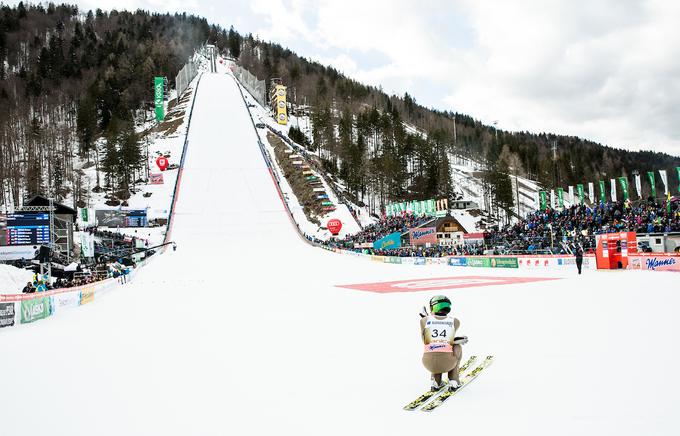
x,y
440,305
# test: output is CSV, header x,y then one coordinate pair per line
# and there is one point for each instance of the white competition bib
x,y
441,330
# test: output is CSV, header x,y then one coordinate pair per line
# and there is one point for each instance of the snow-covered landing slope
x,y
242,331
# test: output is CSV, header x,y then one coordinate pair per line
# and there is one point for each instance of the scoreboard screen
x,y
27,228
135,218
122,218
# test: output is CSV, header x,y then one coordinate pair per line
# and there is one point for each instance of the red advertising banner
x,y
423,235
156,179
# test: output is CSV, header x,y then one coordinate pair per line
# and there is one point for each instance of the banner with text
x,y
390,241
423,236
35,309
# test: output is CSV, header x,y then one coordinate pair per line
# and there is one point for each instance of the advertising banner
x,y
84,214
65,300
650,177
86,245
603,196
86,295
393,259
664,179
543,200
35,309
623,181
638,185
419,261
458,261
156,179
678,170
591,192
571,195
655,263
560,197
613,183
393,240
504,262
158,91
281,105
423,235
581,195
552,198
479,262
6,315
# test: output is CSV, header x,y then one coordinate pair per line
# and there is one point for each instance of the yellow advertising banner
x,y
281,113
86,295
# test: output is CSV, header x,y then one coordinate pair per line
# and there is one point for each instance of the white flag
x,y
591,192
552,199
571,195
664,179
638,185
613,189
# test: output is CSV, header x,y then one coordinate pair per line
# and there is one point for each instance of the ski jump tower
x,y
277,100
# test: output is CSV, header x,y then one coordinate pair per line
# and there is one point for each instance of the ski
x,y
413,405
466,380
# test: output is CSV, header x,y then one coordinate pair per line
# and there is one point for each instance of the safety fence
x,y
184,77
16,309
254,86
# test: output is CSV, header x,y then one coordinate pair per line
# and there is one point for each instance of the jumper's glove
x,y
460,340
423,313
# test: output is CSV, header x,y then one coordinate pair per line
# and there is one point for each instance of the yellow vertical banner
x,y
281,113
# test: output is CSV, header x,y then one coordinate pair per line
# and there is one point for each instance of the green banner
x,y
504,262
650,176
479,261
678,170
560,197
84,214
35,309
623,181
603,196
158,91
543,200
581,194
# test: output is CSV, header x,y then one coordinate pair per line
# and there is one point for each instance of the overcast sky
x,y
607,70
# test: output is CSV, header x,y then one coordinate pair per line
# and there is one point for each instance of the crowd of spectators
x,y
555,231
382,228
579,224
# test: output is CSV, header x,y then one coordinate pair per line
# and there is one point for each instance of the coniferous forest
x,y
73,85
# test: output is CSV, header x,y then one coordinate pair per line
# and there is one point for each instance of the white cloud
x,y
604,70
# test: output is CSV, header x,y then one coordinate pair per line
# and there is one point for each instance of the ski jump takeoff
x,y
443,350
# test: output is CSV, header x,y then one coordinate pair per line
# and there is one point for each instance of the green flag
x,y
543,200
623,181
581,195
158,90
560,197
650,176
603,196
678,170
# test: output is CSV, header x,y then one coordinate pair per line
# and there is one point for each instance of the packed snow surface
x,y
242,331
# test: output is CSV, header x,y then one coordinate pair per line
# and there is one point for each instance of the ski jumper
x,y
440,355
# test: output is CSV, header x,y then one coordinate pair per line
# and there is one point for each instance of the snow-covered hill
x,y
245,330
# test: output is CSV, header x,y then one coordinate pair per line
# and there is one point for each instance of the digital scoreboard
x,y
135,218
27,228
